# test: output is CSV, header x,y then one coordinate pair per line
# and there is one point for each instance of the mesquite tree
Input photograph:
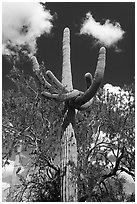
x,y
74,100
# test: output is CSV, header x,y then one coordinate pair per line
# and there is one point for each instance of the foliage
x,y
131,198
41,182
32,117
36,121
101,157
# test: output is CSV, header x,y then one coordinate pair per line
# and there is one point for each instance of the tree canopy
x,y
105,135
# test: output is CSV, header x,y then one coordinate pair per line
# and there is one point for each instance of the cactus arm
x,y
38,73
35,64
86,105
88,79
66,66
62,97
91,91
78,99
55,81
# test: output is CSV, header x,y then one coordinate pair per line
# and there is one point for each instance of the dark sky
x,y
120,66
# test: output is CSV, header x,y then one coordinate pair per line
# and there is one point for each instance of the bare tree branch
x,y
115,169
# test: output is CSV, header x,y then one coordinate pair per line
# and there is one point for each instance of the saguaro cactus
x,y
74,100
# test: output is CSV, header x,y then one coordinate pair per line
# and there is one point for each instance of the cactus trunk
x,y
68,140
68,159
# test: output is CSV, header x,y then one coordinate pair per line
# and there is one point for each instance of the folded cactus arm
x,y
86,105
51,77
88,79
91,91
62,97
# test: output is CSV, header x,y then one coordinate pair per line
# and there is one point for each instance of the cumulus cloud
x,y
119,93
129,185
22,24
112,89
8,169
117,90
5,190
107,34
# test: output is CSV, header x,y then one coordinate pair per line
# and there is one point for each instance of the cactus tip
x,y
48,72
87,74
32,57
102,50
66,29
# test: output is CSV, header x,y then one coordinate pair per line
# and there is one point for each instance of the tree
x,y
36,122
103,156
100,158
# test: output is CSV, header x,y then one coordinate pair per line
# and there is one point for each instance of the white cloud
x,y
129,186
107,34
127,177
8,169
119,93
5,185
112,89
6,176
22,24
5,190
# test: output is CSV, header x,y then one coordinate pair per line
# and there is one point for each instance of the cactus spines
x,y
73,99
